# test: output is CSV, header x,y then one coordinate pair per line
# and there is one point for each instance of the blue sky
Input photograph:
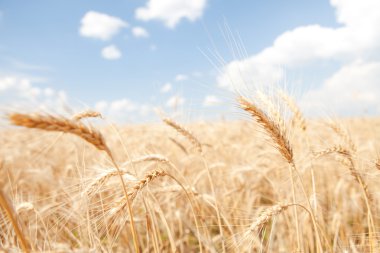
x,y
127,57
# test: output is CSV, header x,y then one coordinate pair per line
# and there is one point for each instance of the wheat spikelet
x,y
298,116
267,215
343,133
277,134
186,133
101,180
87,114
349,162
136,188
148,158
149,177
336,149
272,110
51,123
24,207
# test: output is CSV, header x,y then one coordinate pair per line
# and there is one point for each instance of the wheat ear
x,y
297,114
51,123
87,114
346,153
136,188
344,134
267,215
273,129
183,131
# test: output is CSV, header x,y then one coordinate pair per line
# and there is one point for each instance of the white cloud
x,y
100,26
171,11
23,93
181,77
122,105
166,88
175,101
140,32
356,40
211,100
111,52
49,92
18,86
353,89
101,106
122,110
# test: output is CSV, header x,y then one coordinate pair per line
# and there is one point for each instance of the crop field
x,y
263,183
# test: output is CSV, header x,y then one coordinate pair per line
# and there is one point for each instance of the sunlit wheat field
x,y
263,183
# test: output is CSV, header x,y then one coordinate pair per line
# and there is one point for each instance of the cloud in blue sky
x,y
140,32
111,52
175,101
350,44
166,88
354,46
23,92
100,26
171,11
211,100
181,77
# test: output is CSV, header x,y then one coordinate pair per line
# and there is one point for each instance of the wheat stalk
x,y
12,215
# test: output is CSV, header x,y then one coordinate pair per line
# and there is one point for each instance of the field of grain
x,y
265,183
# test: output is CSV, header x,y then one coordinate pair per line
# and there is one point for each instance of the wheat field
x,y
265,183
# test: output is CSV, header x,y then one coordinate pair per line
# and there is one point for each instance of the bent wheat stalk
x,y
4,203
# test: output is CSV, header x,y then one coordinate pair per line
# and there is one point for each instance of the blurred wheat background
x,y
266,184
